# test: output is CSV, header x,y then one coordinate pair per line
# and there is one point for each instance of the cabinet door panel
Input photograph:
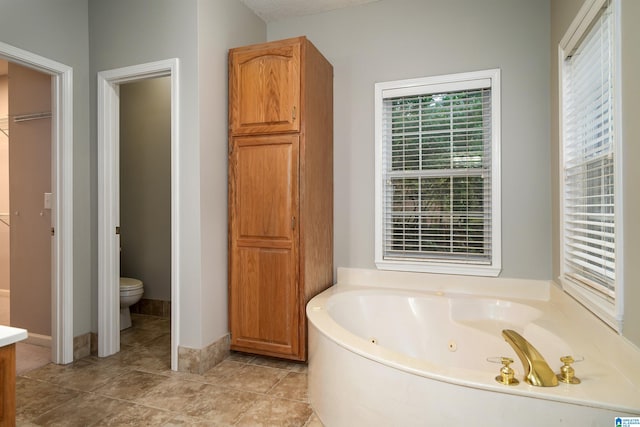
x,y
264,299
264,189
264,243
265,89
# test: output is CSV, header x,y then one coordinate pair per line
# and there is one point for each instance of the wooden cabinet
x,y
280,193
8,385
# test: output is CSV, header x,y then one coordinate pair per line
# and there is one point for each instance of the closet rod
x,y
34,116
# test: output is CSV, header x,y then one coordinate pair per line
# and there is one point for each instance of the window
x,y
590,161
437,174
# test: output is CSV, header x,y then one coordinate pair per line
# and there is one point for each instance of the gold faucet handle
x,y
567,373
507,375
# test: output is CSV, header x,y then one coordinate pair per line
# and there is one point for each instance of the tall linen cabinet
x,y
280,193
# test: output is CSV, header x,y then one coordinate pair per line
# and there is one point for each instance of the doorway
x,y
25,194
145,195
61,199
109,210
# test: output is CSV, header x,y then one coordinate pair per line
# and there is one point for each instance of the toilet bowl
x,y
131,291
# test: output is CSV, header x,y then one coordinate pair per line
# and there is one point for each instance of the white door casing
x,y
62,203
108,201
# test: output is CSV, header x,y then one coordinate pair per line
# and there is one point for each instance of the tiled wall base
x,y
152,307
94,344
199,361
82,346
192,360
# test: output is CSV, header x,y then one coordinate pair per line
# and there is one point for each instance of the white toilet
x,y
131,291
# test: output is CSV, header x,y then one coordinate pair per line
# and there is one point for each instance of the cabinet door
x,y
263,214
264,89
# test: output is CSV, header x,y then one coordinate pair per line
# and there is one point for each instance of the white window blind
x,y
437,185
588,159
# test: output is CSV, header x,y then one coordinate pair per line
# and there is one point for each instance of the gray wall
x,y
198,33
125,33
631,150
145,185
399,39
562,13
58,30
222,24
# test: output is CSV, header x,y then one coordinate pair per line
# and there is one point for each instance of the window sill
x,y
598,305
440,268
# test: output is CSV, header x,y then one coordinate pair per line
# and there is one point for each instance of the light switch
x,y
47,200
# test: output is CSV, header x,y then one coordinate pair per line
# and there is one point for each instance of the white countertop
x,y
9,335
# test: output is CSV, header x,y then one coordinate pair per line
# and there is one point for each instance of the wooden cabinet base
x,y
8,384
256,350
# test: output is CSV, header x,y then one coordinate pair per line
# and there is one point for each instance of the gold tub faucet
x,y
537,371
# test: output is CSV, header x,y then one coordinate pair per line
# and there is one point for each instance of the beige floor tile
x,y
184,420
172,394
23,423
223,370
220,406
34,398
131,385
279,363
293,387
85,410
141,358
237,356
314,421
217,405
185,376
30,357
269,412
136,415
139,337
254,378
160,345
150,323
80,375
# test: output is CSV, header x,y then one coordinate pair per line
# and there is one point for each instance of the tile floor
x,y
136,387
28,356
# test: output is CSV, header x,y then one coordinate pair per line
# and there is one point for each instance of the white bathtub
x,y
391,349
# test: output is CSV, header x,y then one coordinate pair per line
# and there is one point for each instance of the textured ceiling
x,y
273,10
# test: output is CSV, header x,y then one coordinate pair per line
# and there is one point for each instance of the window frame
x,y
611,311
431,85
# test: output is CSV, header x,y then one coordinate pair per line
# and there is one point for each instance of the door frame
x,y
109,82
62,203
